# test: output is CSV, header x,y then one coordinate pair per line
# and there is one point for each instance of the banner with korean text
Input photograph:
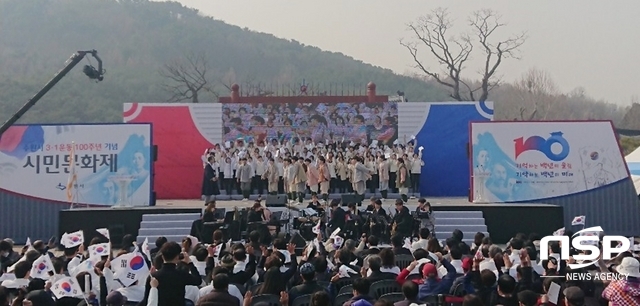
x,y
524,161
111,162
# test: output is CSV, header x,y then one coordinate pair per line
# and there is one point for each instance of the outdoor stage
x,y
503,221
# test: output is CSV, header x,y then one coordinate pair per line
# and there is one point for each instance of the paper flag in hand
x,y
66,287
129,268
559,232
99,250
145,248
413,137
316,229
227,144
335,233
104,232
578,220
73,239
395,142
41,267
420,148
344,271
338,241
407,243
287,256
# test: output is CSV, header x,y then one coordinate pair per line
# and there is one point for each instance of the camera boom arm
x,y
90,71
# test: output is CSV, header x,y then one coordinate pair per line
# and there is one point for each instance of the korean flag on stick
x,y
145,249
559,232
579,220
72,240
41,267
104,232
316,229
66,287
130,268
99,250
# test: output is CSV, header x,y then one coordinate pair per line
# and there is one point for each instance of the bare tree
x,y
452,53
536,88
485,23
187,78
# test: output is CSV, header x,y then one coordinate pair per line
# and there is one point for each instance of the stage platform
x,y
502,220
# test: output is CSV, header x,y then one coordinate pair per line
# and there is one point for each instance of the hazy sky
x,y
593,44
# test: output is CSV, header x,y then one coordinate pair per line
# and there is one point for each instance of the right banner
x,y
519,161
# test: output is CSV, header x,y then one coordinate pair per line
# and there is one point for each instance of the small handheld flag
x,y
66,287
578,220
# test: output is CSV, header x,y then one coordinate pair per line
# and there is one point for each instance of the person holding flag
x,y
172,282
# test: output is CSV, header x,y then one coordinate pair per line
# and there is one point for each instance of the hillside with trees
x,y
138,40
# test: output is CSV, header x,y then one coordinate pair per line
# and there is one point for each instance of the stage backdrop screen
x,y
524,161
112,163
358,122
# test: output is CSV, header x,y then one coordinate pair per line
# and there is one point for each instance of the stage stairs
x,y
177,226
173,226
469,222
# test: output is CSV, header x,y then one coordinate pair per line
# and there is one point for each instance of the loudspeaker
x,y
155,153
153,199
350,198
276,200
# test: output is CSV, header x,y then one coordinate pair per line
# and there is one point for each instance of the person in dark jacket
x,y
220,295
410,292
210,187
360,292
507,291
171,289
309,284
337,216
402,220
7,255
397,241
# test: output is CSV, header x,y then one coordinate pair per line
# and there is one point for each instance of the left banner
x,y
111,163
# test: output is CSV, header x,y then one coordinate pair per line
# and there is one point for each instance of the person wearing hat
x,y
627,290
309,284
574,296
431,284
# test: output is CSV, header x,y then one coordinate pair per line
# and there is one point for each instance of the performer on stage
x,y
316,205
244,176
360,175
271,175
402,220
424,212
383,176
403,180
210,182
324,177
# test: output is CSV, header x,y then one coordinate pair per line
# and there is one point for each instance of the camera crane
x,y
89,71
